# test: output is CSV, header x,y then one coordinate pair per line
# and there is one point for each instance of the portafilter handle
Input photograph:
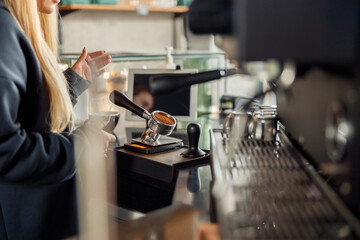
x,y
120,99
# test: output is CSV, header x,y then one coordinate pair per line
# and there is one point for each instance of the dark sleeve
x,y
77,84
28,156
88,141
31,157
37,157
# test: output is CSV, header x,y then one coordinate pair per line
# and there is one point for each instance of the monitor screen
x,y
181,104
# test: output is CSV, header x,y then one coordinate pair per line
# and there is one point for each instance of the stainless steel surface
x,y
150,136
260,123
164,140
264,125
321,112
237,124
267,190
193,187
157,128
146,115
338,131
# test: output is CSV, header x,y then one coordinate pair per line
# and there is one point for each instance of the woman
x,y
37,157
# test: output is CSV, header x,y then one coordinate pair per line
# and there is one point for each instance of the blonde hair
x,y
41,31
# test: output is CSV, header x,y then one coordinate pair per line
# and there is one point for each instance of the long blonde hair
x,y
41,32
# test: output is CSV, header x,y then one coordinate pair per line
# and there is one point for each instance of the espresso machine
x,y
305,183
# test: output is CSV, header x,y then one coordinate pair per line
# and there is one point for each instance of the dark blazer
x,y
37,167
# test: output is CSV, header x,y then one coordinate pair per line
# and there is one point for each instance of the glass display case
x,y
116,78
116,75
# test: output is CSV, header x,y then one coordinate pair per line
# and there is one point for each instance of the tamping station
x,y
159,125
147,167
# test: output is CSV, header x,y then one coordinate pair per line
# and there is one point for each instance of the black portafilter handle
x,y
120,99
193,131
165,83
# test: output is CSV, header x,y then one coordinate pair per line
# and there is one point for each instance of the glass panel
x,y
116,78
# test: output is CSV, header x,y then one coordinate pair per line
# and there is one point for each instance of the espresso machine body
x,y
320,110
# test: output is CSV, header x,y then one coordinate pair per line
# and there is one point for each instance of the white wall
x,y
116,31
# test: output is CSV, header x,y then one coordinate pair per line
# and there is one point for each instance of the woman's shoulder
x,y
4,12
14,47
11,34
8,23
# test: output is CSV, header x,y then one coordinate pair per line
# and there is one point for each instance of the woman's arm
x,y
29,153
77,84
84,70
30,156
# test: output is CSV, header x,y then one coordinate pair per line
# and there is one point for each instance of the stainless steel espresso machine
x,y
304,183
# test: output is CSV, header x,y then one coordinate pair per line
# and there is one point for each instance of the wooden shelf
x,y
125,8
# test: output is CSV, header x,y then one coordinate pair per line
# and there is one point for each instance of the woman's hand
x,y
100,122
90,65
108,138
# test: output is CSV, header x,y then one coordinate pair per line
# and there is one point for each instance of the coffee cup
x,y
106,120
264,126
236,124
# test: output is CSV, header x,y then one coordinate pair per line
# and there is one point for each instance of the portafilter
x,y
159,122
